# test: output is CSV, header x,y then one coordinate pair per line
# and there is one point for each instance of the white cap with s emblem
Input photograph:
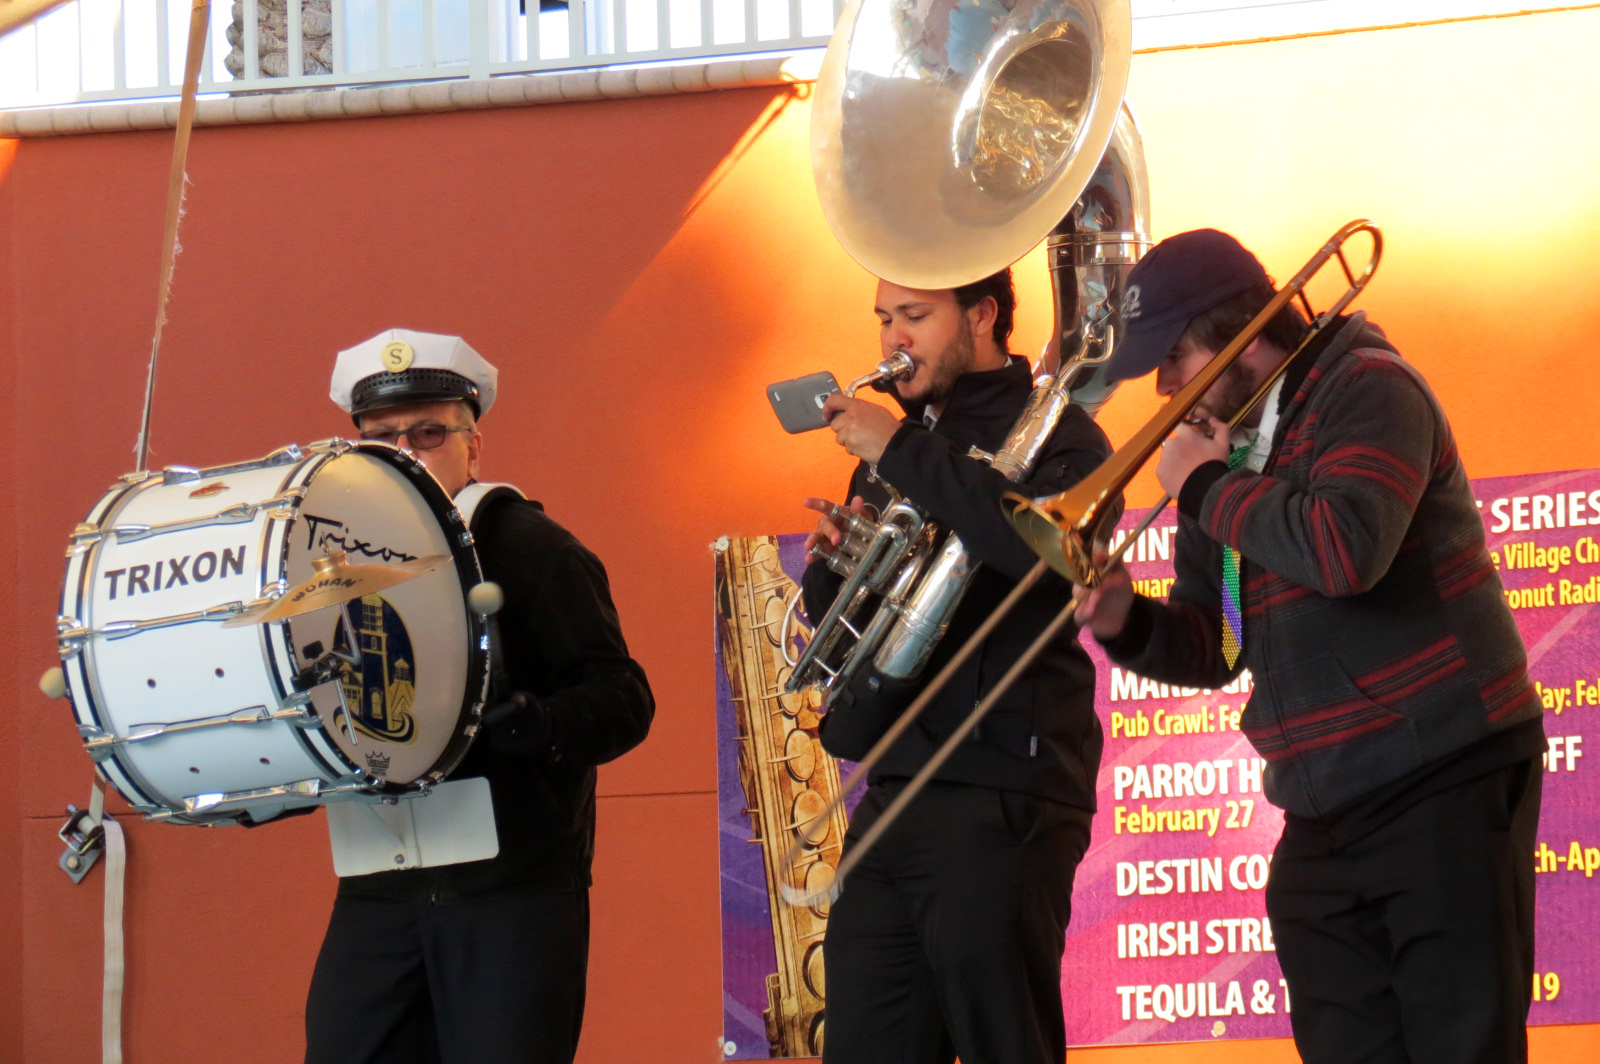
x,y
402,366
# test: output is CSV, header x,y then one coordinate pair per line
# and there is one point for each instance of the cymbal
x,y
334,580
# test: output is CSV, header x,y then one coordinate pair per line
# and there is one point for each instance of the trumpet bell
x,y
946,138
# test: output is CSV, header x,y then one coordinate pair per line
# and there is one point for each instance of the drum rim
x,y
85,696
469,573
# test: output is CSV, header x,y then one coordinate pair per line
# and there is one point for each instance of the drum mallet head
x,y
53,683
485,598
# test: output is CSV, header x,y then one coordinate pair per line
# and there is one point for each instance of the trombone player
x,y
1335,548
947,938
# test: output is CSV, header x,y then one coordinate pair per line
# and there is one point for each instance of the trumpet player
x,y
1333,547
947,939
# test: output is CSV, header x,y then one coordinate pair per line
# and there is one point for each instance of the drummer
x,y
486,960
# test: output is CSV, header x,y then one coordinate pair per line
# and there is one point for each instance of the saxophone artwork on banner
x,y
767,740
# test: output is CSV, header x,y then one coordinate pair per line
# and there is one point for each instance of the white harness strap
x,y
470,499
116,879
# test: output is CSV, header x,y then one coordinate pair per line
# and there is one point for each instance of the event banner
x,y
1169,939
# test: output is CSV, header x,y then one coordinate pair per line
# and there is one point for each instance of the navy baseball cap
x,y
1180,278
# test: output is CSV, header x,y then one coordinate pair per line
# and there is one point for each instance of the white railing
x,y
98,50
93,50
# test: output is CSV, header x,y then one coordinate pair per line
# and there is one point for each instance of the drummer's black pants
x,y
492,979
947,939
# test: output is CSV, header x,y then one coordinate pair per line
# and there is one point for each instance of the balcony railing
x,y
99,50
93,50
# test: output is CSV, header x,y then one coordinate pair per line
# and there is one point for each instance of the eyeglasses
x,y
424,435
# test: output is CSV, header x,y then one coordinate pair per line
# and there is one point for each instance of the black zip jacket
x,y
1043,737
588,703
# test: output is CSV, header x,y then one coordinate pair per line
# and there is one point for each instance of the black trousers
x,y
492,979
1414,943
947,938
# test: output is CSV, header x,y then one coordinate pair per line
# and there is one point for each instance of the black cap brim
x,y
383,390
1140,350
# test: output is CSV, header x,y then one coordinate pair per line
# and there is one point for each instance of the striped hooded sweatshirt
x,y
1374,624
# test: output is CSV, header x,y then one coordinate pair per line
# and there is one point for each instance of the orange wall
x,y
639,270
11,634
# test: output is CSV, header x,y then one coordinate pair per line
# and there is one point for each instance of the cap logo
x,y
1130,303
397,356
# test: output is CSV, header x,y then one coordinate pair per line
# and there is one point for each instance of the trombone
x,y
1061,529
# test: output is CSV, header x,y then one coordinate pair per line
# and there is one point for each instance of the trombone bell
x,y
1054,530
1058,527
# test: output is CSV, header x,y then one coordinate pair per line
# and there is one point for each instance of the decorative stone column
x,y
272,33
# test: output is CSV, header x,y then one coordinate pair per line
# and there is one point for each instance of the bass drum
x,y
199,723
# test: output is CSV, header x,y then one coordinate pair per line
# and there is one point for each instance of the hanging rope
x,y
199,23
114,972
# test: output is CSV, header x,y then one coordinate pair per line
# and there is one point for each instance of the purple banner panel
x,y
1544,532
1169,939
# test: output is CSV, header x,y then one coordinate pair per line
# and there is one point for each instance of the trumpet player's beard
x,y
935,378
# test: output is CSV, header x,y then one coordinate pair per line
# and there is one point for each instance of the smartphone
x,y
798,402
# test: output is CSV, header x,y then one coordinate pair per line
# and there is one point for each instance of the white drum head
x,y
401,709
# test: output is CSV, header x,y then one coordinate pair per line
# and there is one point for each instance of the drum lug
x,y
269,594
467,540
84,537
85,843
286,507
184,474
99,743
307,716
335,445
219,803
130,533
122,629
284,455
70,637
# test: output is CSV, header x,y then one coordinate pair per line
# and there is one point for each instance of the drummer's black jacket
x,y
587,703
1043,737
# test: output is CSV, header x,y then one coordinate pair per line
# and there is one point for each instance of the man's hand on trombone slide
x,y
1104,609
